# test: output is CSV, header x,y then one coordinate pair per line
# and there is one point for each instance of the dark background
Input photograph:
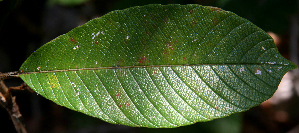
x,y
31,23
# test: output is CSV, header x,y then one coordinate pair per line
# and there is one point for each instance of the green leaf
x,y
159,66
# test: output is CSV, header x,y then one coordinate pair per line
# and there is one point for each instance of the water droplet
x,y
127,37
242,69
76,47
99,32
73,84
263,48
258,71
271,62
77,94
152,117
38,68
228,107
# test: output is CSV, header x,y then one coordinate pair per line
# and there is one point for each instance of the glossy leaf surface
x,y
159,66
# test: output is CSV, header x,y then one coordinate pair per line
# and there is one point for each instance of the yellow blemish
x,y
53,81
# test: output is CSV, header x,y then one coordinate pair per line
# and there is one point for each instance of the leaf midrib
x,y
149,66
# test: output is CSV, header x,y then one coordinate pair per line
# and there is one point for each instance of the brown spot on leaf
x,y
153,17
215,21
191,11
216,9
120,62
73,40
142,59
127,104
168,44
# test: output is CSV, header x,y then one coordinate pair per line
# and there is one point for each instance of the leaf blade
x,y
159,66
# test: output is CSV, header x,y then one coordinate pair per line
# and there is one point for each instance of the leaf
x,y
159,66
